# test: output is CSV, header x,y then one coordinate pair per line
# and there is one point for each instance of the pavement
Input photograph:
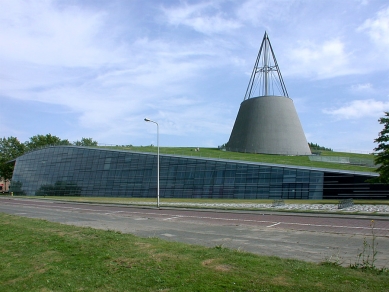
x,y
310,237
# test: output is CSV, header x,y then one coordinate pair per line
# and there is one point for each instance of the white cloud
x,y
359,109
253,11
41,33
55,56
262,12
205,18
64,56
362,87
378,28
325,60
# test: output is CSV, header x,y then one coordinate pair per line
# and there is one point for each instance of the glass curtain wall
x,y
80,171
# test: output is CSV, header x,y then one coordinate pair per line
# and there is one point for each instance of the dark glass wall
x,y
351,185
79,171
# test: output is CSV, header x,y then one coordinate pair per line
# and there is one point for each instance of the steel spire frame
x,y
263,76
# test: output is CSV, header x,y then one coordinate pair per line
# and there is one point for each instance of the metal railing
x,y
343,160
346,203
278,203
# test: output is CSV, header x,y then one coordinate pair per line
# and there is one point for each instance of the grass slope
x,y
41,256
265,158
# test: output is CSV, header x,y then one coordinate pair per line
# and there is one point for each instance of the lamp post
x,y
148,120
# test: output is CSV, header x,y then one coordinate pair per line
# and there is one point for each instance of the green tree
x,y
315,146
10,148
382,150
40,141
86,142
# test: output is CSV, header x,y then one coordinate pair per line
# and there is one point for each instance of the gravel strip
x,y
359,208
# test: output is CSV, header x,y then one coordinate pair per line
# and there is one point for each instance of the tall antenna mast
x,y
266,78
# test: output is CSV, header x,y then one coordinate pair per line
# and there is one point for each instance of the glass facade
x,y
81,171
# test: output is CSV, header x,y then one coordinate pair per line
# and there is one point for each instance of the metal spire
x,y
266,77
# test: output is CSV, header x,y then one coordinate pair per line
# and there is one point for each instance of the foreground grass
x,y
265,158
37,255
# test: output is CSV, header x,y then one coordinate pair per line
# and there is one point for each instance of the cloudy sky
x,y
94,68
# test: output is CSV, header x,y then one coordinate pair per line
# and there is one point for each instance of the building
x,y
4,185
84,171
267,121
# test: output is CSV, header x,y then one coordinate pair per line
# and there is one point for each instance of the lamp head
x,y
147,120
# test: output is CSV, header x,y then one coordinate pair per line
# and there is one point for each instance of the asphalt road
x,y
314,237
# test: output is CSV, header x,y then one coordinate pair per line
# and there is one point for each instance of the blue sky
x,y
88,68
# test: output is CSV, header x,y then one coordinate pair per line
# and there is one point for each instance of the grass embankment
x,y
37,255
264,158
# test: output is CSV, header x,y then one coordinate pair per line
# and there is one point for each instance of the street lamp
x,y
148,120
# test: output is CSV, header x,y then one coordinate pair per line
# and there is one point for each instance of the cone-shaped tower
x,y
267,120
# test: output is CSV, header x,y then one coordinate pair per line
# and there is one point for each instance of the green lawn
x,y
265,158
37,255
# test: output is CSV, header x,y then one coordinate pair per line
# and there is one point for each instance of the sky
x,y
96,69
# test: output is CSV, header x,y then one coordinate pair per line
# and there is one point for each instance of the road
x,y
309,237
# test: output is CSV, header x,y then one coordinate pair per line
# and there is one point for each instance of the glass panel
x,y
108,173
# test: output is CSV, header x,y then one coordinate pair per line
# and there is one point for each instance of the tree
x,y
86,142
315,146
40,141
382,150
10,148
